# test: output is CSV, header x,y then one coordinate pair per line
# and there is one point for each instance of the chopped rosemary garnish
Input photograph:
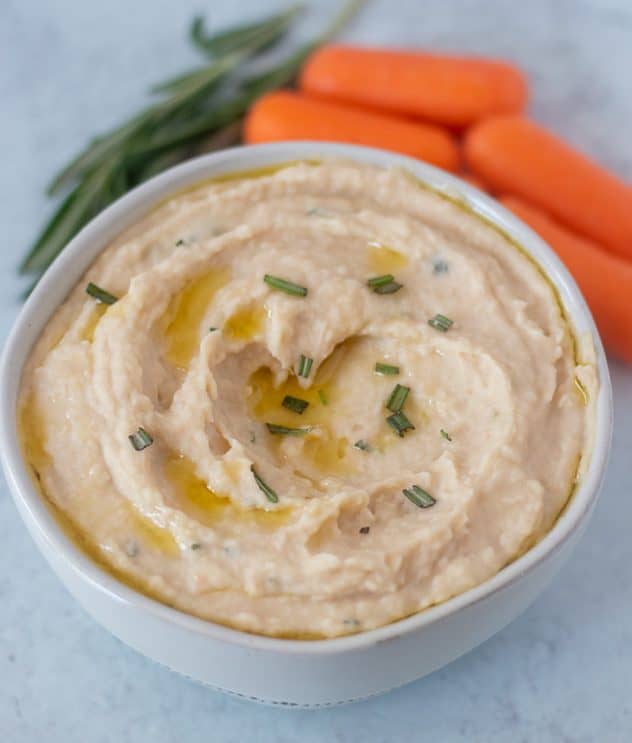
x,y
385,284
400,423
196,546
419,496
380,280
439,266
365,529
304,366
179,242
351,622
286,430
140,439
363,445
295,404
100,294
212,329
264,487
386,369
389,288
289,287
397,398
322,396
446,435
441,322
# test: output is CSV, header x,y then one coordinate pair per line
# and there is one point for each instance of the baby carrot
x,y
455,91
473,180
605,279
516,156
285,115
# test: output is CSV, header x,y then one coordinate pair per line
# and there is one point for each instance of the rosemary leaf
x,y
420,497
441,322
100,294
397,398
390,288
260,35
277,430
400,423
304,366
140,439
264,487
386,369
295,404
283,285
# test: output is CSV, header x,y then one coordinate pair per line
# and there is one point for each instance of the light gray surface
x,y
69,68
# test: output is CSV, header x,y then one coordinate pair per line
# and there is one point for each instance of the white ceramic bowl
x,y
291,672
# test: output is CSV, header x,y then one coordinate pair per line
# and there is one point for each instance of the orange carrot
x,y
516,156
605,280
473,180
456,91
284,115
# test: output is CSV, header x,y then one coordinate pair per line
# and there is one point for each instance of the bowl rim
x,y
95,236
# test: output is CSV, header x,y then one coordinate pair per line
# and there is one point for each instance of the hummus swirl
x,y
305,530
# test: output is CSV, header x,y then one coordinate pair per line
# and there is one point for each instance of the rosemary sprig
x,y
198,111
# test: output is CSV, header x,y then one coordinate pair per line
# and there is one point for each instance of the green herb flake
x,y
446,435
277,430
420,497
140,439
213,329
180,242
380,280
304,366
385,284
100,294
196,546
264,487
386,370
439,267
363,445
322,396
397,398
365,529
295,404
400,423
289,287
441,322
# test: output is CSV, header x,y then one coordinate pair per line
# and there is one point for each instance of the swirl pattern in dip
x,y
302,527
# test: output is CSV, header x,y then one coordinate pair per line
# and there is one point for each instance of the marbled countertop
x,y
562,671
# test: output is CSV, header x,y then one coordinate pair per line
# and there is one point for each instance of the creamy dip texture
x,y
308,459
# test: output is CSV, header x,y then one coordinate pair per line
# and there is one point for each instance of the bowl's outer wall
x,y
364,664
310,680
